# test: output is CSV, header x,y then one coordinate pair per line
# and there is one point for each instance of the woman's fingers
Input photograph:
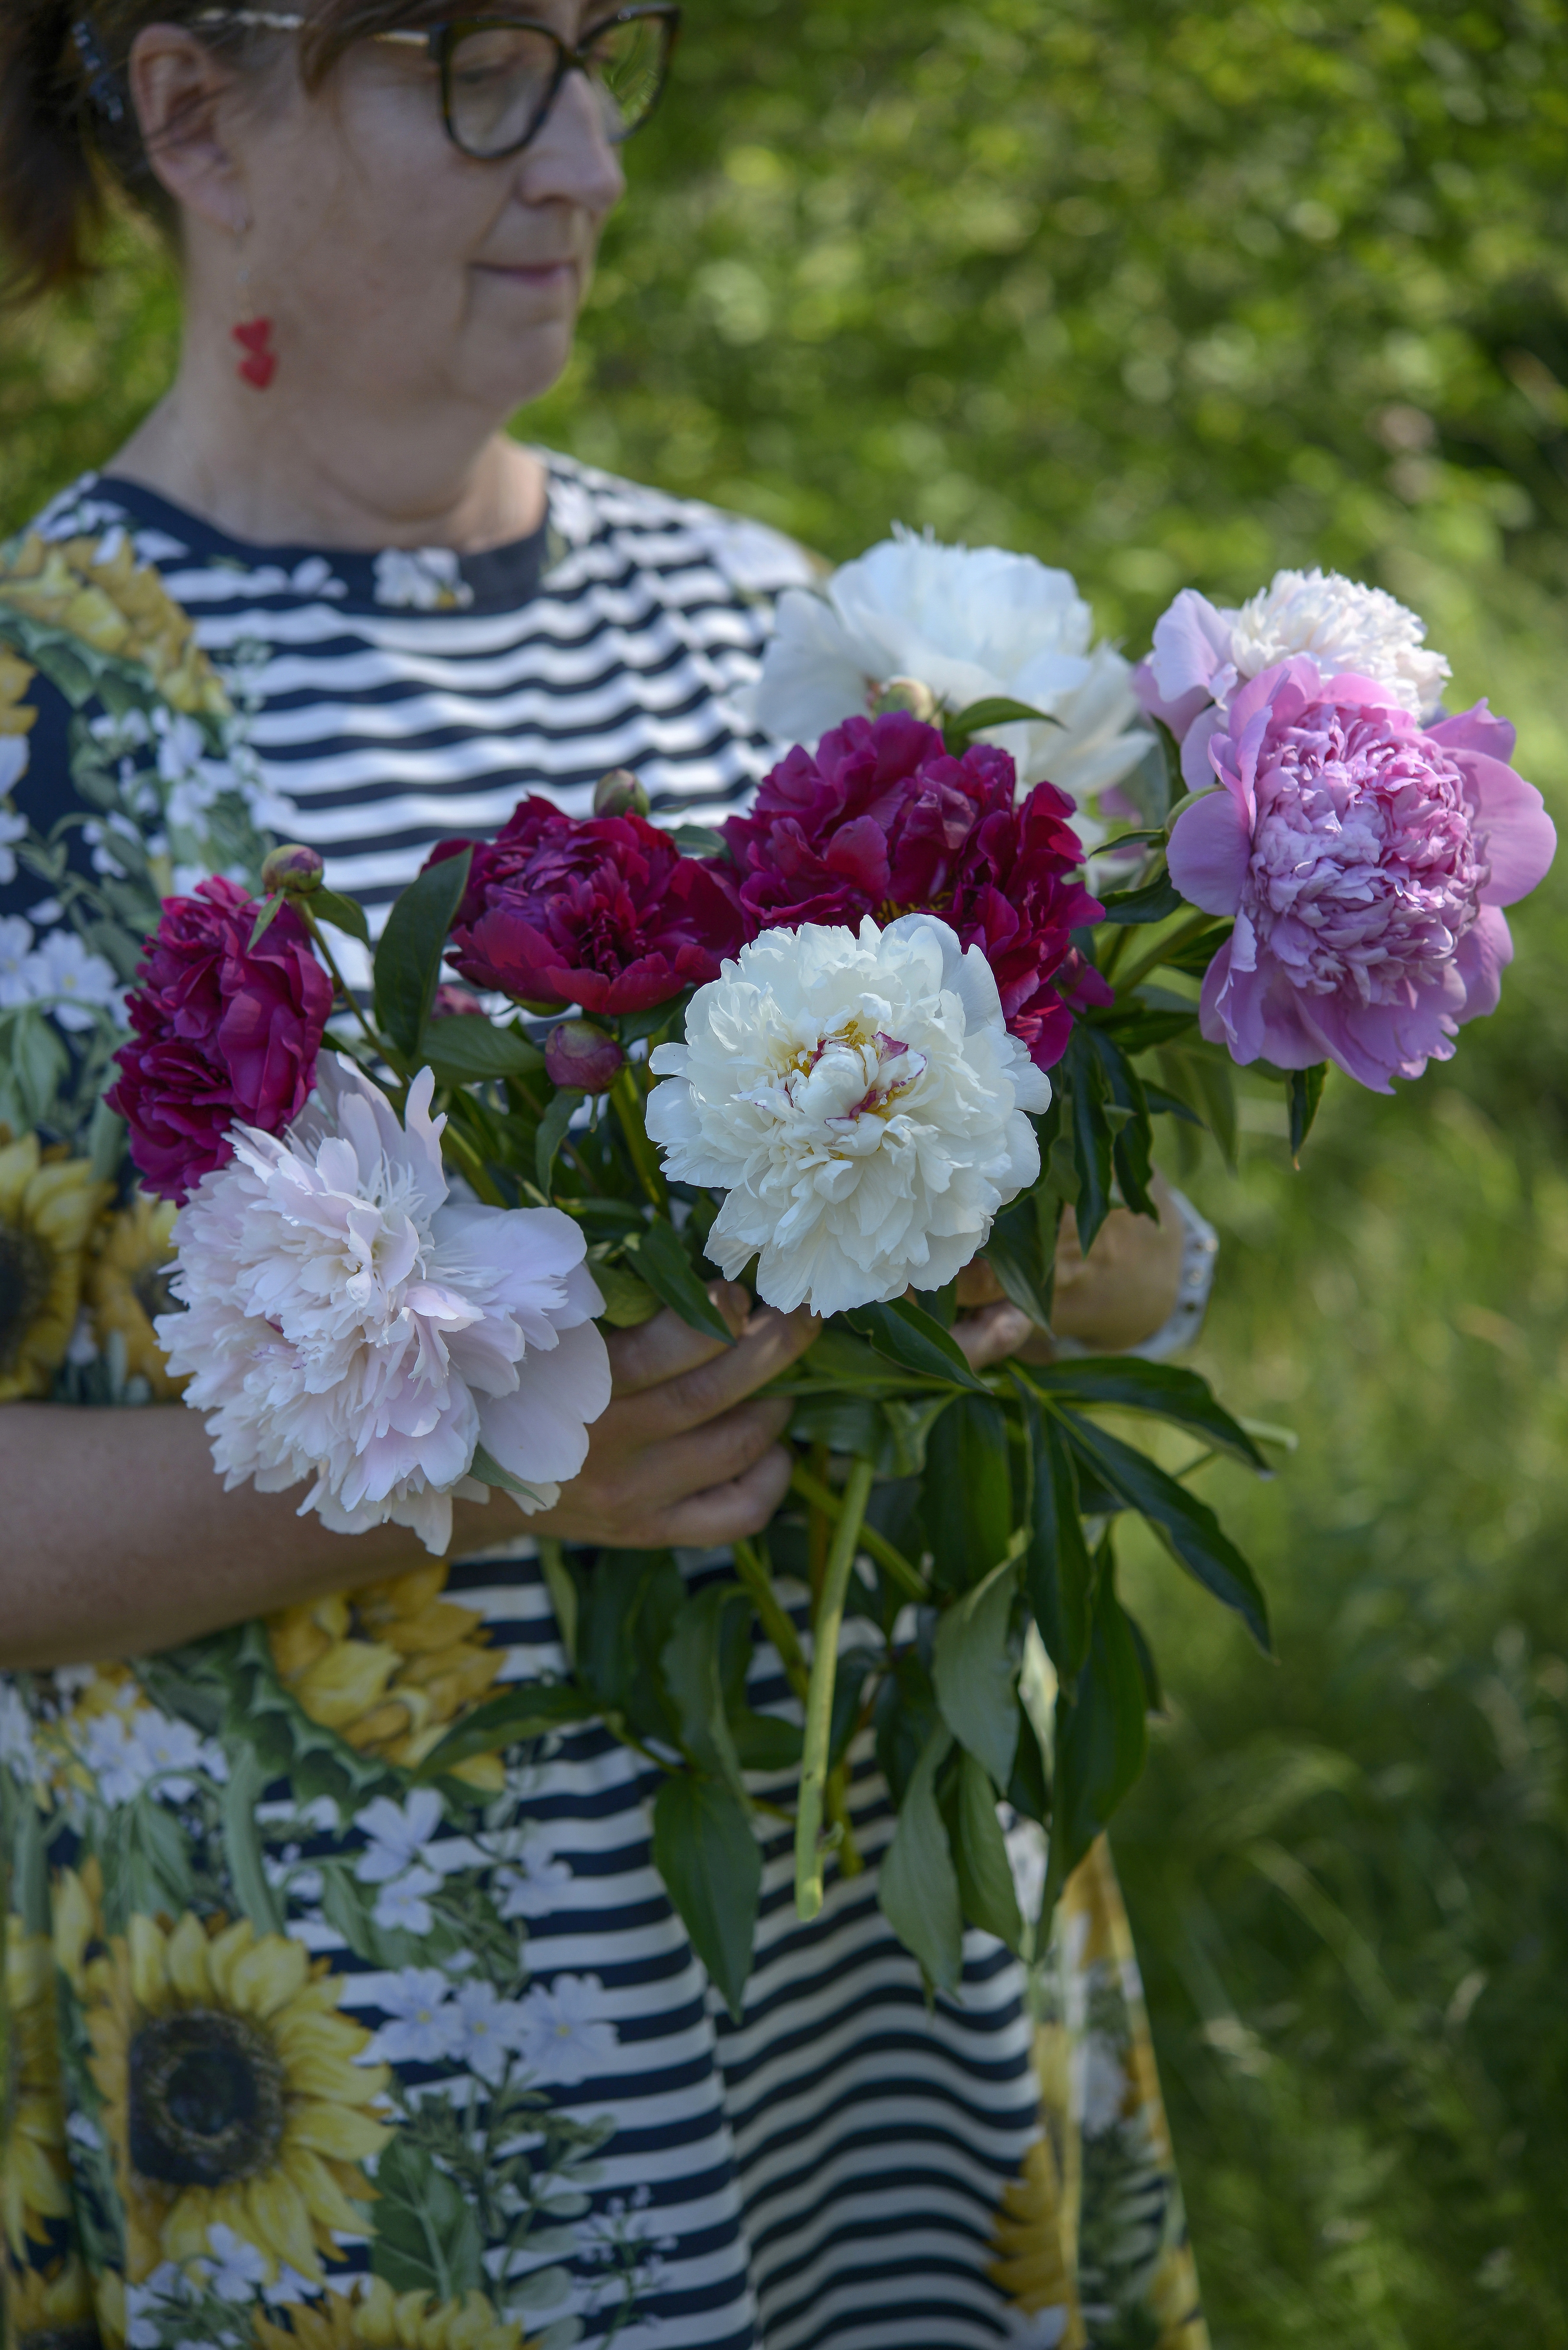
x,y
730,1512
664,1347
991,1335
721,1448
768,1345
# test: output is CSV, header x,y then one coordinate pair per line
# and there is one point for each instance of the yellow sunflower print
x,y
51,2311
34,2181
375,2318
390,1667
232,2094
127,1286
47,1211
118,605
16,717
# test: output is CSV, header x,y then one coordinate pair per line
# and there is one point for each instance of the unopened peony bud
x,y
452,1002
578,1054
294,870
619,793
907,693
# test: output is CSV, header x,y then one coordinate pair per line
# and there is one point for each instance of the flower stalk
x,y
808,1854
751,1568
630,1109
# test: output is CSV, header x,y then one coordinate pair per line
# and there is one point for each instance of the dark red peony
x,y
605,914
221,1032
883,821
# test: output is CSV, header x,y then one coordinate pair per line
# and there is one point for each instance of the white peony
x,y
862,1103
350,1322
1345,628
971,624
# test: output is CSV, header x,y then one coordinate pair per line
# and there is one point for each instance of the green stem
x,y
472,1166
892,1562
562,1593
1163,948
819,1696
628,1098
753,1571
302,906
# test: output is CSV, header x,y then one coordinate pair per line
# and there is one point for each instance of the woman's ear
x,y
178,87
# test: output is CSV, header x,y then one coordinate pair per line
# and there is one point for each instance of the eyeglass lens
x,y
500,78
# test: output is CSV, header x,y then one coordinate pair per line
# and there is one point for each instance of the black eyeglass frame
x,y
440,43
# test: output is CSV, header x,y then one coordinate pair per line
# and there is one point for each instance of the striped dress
x,y
305,2051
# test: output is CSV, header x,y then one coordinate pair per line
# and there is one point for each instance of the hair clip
x,y
103,82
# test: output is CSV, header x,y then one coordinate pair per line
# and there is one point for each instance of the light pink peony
x,y
347,1321
1366,859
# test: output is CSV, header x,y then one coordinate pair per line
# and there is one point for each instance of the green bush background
x,y
1176,296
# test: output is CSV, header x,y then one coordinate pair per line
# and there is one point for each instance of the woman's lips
x,y
541,275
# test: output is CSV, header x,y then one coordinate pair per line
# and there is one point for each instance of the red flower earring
x,y
259,364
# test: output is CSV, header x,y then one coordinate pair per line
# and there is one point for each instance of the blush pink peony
x,y
221,1032
1366,859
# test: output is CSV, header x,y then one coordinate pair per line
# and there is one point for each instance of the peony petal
x,y
1197,764
1484,954
1519,840
1191,641
1476,729
1209,846
541,1431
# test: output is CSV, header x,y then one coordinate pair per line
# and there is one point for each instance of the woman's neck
x,y
267,476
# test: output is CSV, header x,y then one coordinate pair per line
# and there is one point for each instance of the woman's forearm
x,y
117,1538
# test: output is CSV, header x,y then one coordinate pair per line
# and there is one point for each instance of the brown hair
x,y
69,136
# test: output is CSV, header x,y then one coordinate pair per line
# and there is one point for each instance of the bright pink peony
x,y
221,1032
1365,859
606,914
883,821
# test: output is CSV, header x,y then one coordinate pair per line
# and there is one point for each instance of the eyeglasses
x,y
500,76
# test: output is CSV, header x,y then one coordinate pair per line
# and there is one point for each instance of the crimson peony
x,y
883,821
605,914
220,1032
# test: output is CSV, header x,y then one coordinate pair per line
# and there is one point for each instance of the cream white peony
x,y
1203,651
861,1102
350,1322
970,624
1345,628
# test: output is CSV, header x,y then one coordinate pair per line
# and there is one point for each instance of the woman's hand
x,y
687,1451
1119,1295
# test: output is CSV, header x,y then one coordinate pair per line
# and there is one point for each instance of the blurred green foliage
x,y
1177,295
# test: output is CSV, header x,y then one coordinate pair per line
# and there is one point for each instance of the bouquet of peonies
x,y
878,1026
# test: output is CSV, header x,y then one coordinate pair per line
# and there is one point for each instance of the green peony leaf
x,y
975,1668
408,957
705,1851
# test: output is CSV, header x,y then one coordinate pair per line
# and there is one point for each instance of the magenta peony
x,y
606,914
883,821
220,1032
1366,858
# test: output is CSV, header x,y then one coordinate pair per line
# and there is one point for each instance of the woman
x,y
335,2062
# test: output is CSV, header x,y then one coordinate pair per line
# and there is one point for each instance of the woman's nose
x,y
571,158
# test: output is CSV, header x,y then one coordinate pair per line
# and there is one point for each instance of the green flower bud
x,y
294,870
904,693
619,793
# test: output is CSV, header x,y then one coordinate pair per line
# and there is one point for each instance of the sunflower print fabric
x,y
304,2053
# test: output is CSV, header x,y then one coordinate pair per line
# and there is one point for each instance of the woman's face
x,y
397,270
